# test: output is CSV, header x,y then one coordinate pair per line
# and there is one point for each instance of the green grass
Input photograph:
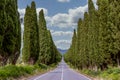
x,y
109,74
11,71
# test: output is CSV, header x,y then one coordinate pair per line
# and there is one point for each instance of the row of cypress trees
x,y
38,44
10,32
96,43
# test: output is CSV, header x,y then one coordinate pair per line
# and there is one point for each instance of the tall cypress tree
x,y
31,45
104,33
80,21
26,37
42,38
17,33
113,22
91,33
74,40
84,42
10,31
34,45
48,52
2,32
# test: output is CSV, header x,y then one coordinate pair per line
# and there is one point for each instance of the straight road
x,y
62,72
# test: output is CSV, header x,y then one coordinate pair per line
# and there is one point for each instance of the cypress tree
x,y
84,42
55,56
31,38
2,32
74,39
26,37
113,22
104,33
34,45
42,38
17,33
79,43
91,33
48,52
10,32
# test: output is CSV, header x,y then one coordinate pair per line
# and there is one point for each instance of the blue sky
x,y
61,17
53,6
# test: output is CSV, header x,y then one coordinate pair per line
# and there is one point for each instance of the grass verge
x,y
11,72
109,74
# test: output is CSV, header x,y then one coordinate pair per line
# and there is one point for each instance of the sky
x,y
61,17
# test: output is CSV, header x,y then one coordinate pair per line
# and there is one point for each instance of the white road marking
x,y
62,73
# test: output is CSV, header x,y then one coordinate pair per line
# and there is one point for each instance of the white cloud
x,y
63,20
62,33
63,41
63,44
63,1
77,13
22,12
67,20
70,19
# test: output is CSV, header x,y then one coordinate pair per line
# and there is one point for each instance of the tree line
x,y
96,42
38,43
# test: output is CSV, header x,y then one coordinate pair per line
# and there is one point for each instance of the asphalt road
x,y
62,72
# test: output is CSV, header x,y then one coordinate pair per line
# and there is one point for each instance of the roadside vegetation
x,y
112,73
10,72
108,74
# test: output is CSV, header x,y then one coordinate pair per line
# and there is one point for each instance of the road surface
x,y
62,72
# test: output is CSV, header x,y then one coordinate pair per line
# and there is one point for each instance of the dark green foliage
x,y
10,36
98,37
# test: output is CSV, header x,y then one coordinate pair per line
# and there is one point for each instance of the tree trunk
x,y
118,59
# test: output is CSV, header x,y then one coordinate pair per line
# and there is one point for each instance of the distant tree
x,y
48,52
